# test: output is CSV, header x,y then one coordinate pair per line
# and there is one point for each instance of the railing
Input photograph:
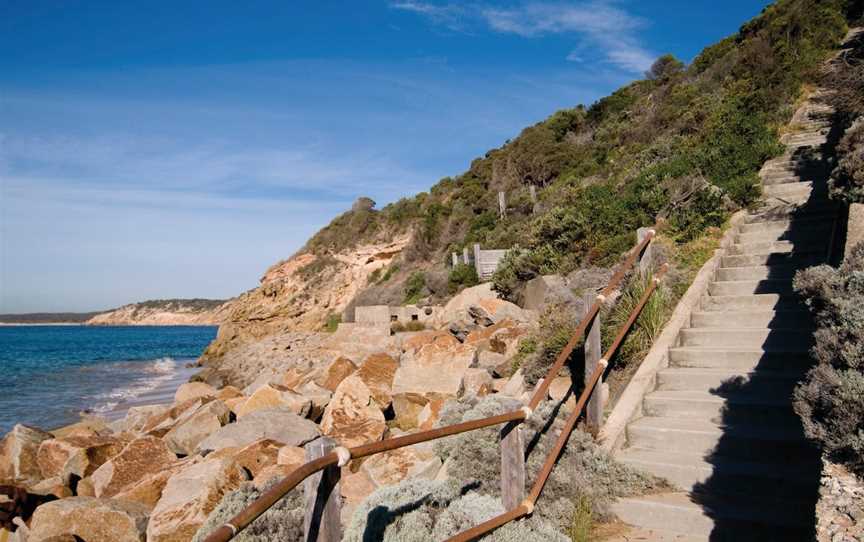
x,y
321,491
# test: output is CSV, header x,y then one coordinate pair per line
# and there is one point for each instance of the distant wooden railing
x,y
325,458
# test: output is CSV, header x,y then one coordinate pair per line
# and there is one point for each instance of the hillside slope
x,y
164,312
680,148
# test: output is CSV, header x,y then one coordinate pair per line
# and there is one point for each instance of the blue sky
x,y
176,149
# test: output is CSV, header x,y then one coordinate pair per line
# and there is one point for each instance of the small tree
x,y
664,68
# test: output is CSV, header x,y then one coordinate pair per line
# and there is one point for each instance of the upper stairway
x,y
719,425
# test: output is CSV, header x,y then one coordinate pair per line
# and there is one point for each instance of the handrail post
x,y
646,261
593,350
512,465
322,521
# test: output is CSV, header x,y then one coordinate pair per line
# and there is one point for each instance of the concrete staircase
x,y
719,425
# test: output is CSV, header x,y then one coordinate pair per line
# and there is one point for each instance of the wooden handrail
x,y
527,506
267,499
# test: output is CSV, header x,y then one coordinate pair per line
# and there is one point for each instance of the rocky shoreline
x,y
160,470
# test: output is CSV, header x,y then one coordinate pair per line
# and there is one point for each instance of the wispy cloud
x,y
599,26
449,15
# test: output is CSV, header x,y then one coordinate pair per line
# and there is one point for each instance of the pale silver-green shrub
x,y
283,522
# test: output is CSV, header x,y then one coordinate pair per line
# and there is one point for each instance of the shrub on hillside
x,y
414,287
283,521
462,276
847,179
831,399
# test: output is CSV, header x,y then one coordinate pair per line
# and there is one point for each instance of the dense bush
x,y
831,399
847,179
414,287
462,276
283,521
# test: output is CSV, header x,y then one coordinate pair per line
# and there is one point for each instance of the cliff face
x,y
175,312
301,293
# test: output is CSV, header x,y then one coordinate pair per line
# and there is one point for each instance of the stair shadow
x,y
762,462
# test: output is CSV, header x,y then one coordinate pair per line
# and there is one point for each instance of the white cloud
x,y
597,24
449,15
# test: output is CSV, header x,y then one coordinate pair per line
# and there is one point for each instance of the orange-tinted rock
x,y
193,390
228,392
185,436
295,377
258,455
271,396
148,490
292,456
355,486
377,372
430,414
189,497
435,365
319,398
407,407
90,519
79,455
335,372
352,417
18,455
138,459
392,467
475,379
161,423
271,474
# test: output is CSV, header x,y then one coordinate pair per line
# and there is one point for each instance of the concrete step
x,y
808,139
739,520
798,259
784,442
740,337
740,358
746,287
763,247
725,475
732,408
787,224
750,302
779,382
798,189
788,319
777,211
757,272
801,235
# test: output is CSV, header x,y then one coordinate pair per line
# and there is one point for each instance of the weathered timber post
x,y
533,191
322,521
593,351
502,205
512,465
455,259
466,259
477,260
646,262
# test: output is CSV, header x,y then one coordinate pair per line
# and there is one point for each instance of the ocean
x,y
53,374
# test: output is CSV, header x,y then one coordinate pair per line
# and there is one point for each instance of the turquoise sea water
x,y
49,375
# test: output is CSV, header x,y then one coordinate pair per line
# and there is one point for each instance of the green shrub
x,y
664,68
462,276
333,322
283,521
847,179
831,399
414,287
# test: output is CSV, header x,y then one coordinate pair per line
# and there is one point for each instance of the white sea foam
x,y
151,377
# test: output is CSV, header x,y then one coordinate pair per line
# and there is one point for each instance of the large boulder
x,y
377,372
148,490
76,455
140,458
193,390
318,398
18,455
271,396
335,372
492,311
353,417
255,457
433,363
457,308
279,424
189,497
90,519
184,437
161,423
546,290
137,417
